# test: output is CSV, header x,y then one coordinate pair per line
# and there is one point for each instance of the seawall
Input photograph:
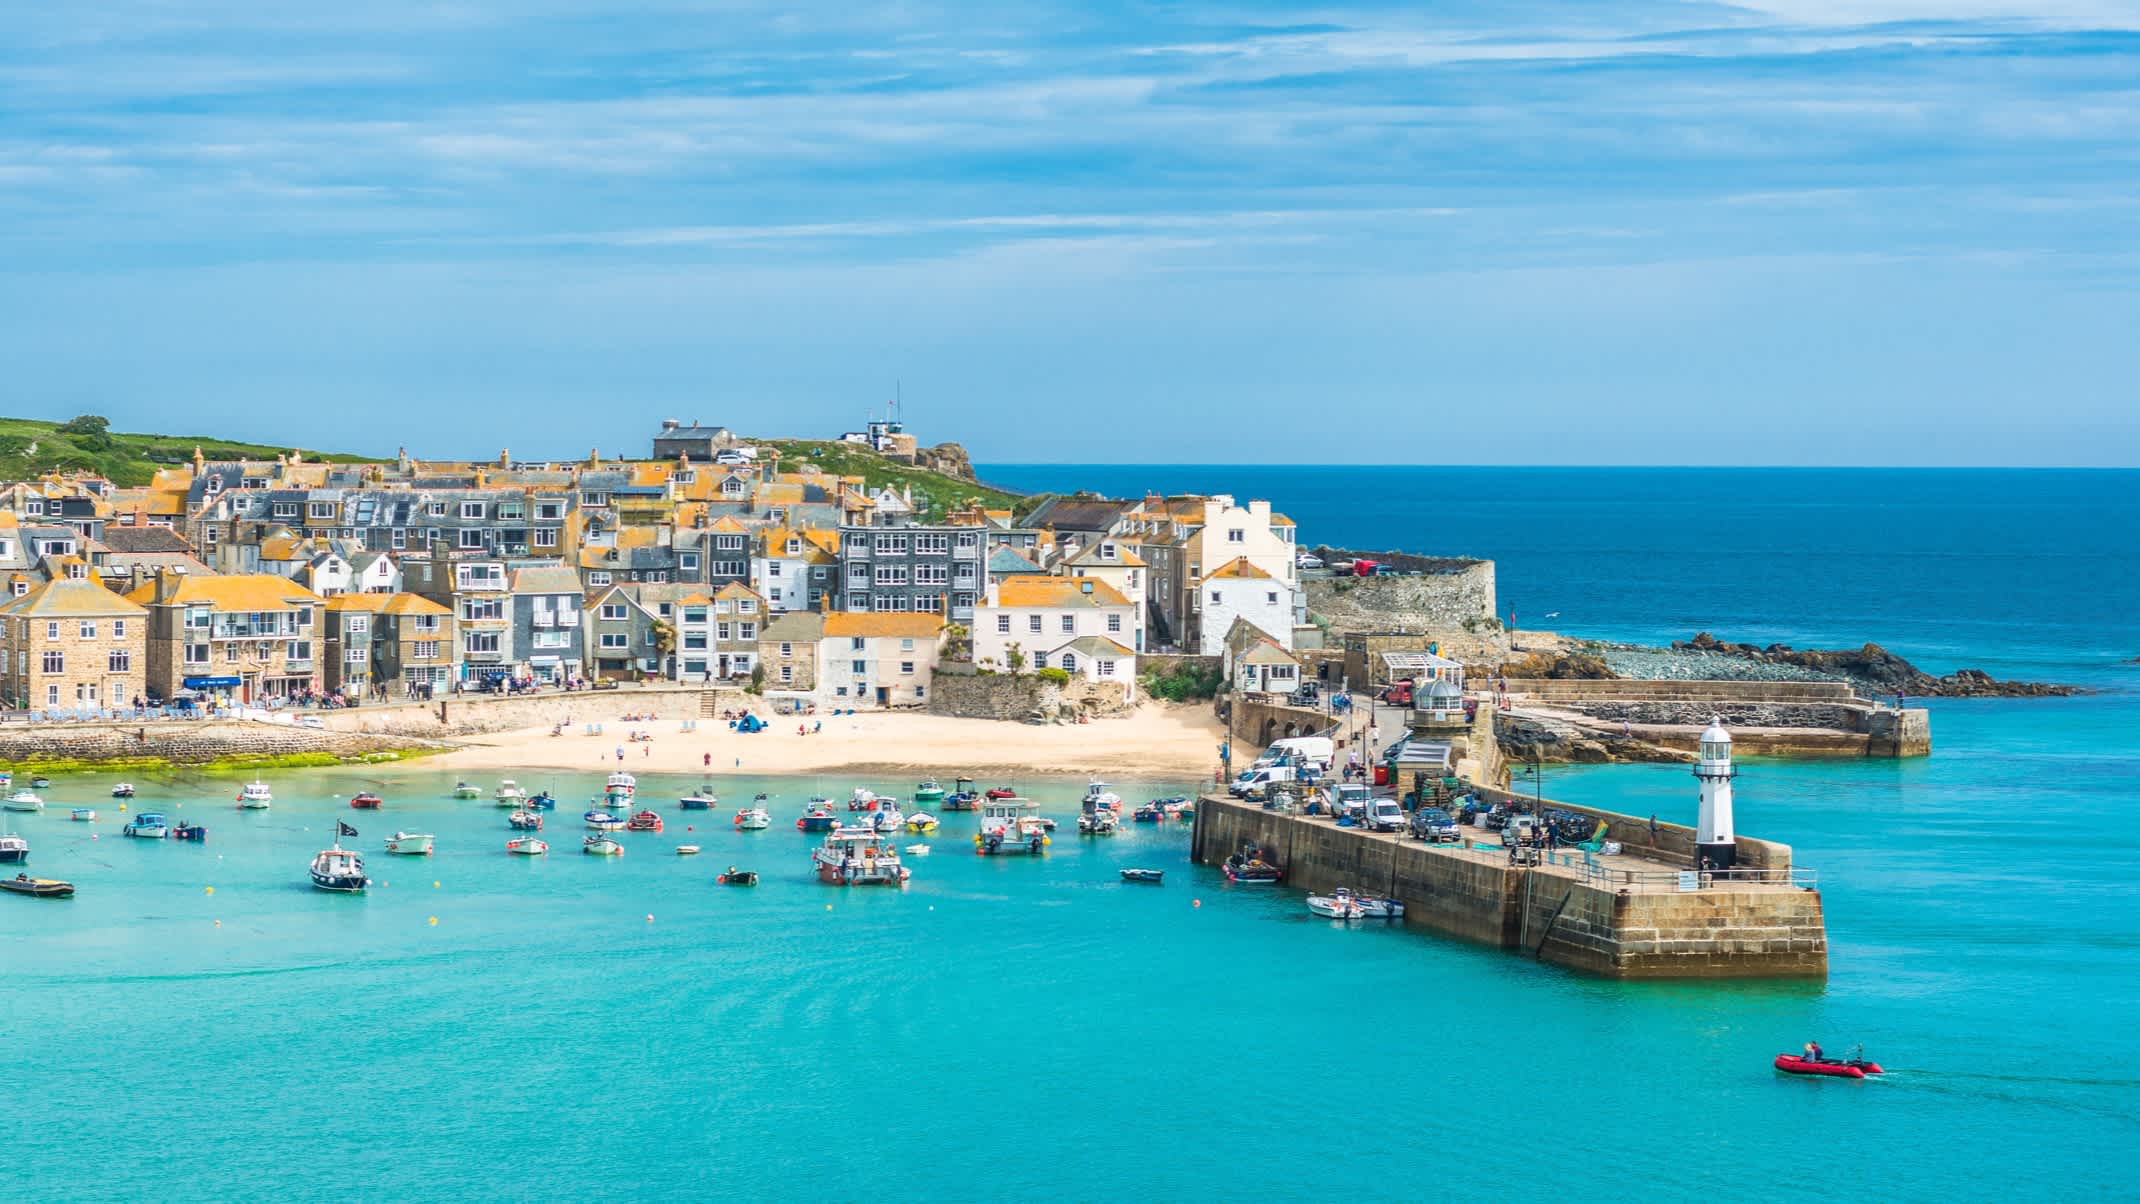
x,y
1610,919
179,742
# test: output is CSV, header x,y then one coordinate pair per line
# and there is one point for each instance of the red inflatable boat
x,y
1855,1068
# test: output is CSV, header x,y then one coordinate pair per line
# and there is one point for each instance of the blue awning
x,y
212,683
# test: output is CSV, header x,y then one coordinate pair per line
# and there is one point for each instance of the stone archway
x,y
1270,731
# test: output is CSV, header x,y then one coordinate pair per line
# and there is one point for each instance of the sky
x,y
1784,232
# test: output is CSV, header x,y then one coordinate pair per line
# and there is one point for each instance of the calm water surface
x,y
1021,1028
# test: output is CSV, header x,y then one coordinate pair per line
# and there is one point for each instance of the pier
x,y
1642,913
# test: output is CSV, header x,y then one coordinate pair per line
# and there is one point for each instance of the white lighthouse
x,y
1714,846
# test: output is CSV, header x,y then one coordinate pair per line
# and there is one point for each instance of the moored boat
x,y
857,857
864,799
735,877
255,796
1344,903
963,797
467,790
14,850
40,782
1099,812
365,801
1150,813
542,802
23,800
527,846
1011,825
1137,875
644,821
819,818
1102,795
509,794
123,790
410,844
149,825
83,815
41,888
1002,792
604,821
1250,867
338,869
602,846
196,833
753,819
886,818
687,850
921,821
920,849
702,799
525,821
619,788
928,792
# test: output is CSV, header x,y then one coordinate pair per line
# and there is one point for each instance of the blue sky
x,y
1796,232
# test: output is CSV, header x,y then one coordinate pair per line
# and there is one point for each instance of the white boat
x,y
619,788
467,790
1346,904
339,869
604,821
123,790
1094,816
85,815
149,825
509,794
886,818
409,844
918,850
753,819
602,846
1011,825
255,796
23,800
14,850
527,846
1100,795
686,850
857,857
921,821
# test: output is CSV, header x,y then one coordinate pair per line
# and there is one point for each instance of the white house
x,y
1241,590
873,658
1115,562
1080,624
793,568
1230,532
1264,668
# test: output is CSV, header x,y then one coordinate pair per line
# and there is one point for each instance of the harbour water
x,y
1032,1028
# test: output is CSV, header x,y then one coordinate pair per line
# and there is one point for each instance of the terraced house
x,y
402,643
475,586
72,645
549,642
1078,624
911,567
246,638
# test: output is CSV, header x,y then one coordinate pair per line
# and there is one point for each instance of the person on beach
x,y
707,761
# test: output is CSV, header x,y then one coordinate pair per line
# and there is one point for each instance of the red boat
x,y
1003,792
645,821
366,801
1853,1068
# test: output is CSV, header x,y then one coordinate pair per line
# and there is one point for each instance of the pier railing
x,y
1794,877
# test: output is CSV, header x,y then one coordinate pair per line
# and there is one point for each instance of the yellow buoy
x,y
434,921
208,890
434,884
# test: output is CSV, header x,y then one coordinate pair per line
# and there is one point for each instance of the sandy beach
x,y
1160,739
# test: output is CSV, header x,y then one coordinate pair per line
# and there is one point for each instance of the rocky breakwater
x,y
1526,738
1873,670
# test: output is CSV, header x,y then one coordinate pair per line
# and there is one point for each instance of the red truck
x,y
1398,693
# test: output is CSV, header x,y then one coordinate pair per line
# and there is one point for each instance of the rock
x,y
950,459
1874,671
1562,666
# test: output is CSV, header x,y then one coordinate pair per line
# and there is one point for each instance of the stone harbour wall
x,y
472,715
186,742
1025,698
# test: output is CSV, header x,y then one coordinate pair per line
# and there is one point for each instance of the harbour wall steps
x,y
1617,923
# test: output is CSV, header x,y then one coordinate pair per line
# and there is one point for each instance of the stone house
x,y
788,648
476,587
913,568
399,642
694,442
72,644
246,638
549,641
718,636
621,633
884,660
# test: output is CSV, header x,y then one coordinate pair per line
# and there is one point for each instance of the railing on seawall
x,y
1795,877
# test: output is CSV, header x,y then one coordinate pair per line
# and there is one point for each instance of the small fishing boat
x,y
753,819
619,788
1135,875
1344,903
467,790
856,857
509,794
1002,792
255,796
1250,868
23,800
1150,813
928,792
542,802
40,888
40,782
644,821
864,799
702,799
525,821
339,869
409,844
886,819
1183,811
1094,816
366,801
921,821
687,850
1853,1067
123,790
735,877
819,818
14,850
527,846
1011,825
962,798
604,821
918,850
1102,796
601,846
83,815
196,833
149,825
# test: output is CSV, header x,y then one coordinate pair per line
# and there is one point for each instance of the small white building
x,y
1115,562
878,659
794,567
1080,624
1240,590
1265,668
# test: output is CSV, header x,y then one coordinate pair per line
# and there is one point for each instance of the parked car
x,y
1306,694
1433,825
1309,560
1384,815
1398,693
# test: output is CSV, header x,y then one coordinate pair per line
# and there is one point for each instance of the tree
x,y
664,637
757,679
85,424
1014,659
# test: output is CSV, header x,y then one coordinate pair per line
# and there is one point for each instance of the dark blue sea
x,y
199,1025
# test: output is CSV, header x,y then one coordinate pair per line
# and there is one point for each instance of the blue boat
x,y
149,825
197,833
541,802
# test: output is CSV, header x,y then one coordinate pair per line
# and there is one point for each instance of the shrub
x,y
1185,682
1060,677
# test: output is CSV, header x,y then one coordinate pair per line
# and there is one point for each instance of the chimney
x,y
1260,509
505,457
594,457
167,584
200,462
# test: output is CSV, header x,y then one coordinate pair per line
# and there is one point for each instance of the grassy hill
x,y
29,447
934,493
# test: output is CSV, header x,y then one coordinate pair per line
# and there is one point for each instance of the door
x,y
884,696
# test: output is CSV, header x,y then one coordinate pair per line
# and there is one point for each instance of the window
x,y
119,661
424,650
427,622
549,511
932,545
88,630
1271,599
1069,624
891,543
545,537
321,510
932,574
787,673
553,639
52,629
891,574
285,510
470,537
196,654
1070,661
478,576
1114,623
598,578
907,667
512,511
1105,668
1237,536
357,624
612,610
436,509
1214,597
616,639
858,643
687,561
479,609
1032,624
728,568
1003,624
968,539
52,696
297,650
594,499
859,667
728,543
1040,660
471,509
55,662
400,538
354,655
482,641
746,631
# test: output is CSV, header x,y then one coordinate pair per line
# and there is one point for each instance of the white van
x,y
1316,750
1261,778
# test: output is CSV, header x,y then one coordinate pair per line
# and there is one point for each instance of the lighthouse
x,y
1714,847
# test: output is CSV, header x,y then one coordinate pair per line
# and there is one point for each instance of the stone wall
x,y
1025,698
1734,714
1584,690
1436,604
184,742
477,714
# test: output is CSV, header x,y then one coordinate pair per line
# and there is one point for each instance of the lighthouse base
x,y
1715,855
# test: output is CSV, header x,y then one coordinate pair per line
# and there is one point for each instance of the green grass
x,y
934,493
29,447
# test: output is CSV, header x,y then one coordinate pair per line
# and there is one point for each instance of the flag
x,y
342,829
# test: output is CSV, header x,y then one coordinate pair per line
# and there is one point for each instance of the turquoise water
x,y
1020,1028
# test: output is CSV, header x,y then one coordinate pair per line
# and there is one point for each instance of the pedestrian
x,y
1653,829
620,752
707,761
